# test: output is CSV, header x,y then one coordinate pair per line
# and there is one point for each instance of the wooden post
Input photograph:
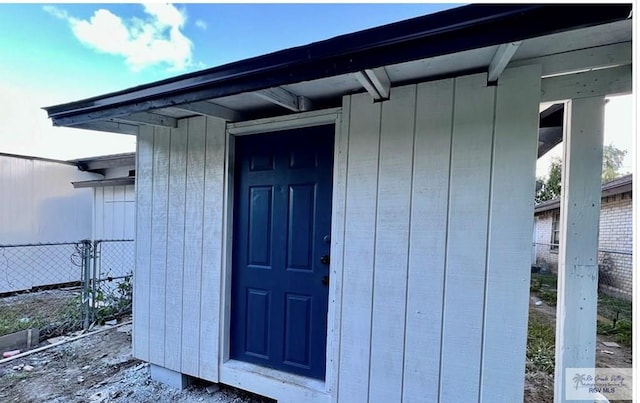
x,y
578,259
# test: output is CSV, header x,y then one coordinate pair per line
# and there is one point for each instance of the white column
x,y
578,259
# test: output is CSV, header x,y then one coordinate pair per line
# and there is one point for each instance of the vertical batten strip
x,y
144,206
108,211
98,213
362,176
466,239
392,240
212,253
509,240
191,318
175,246
428,231
334,322
157,286
130,212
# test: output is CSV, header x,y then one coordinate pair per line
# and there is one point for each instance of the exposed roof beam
x,y
286,99
376,82
105,126
548,137
500,60
89,164
148,118
210,109
604,82
130,180
568,62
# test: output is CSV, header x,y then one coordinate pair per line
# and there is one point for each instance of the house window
x,y
555,231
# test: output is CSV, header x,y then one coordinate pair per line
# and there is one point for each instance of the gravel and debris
x,y
99,368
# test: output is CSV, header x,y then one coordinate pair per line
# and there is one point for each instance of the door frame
x,y
271,382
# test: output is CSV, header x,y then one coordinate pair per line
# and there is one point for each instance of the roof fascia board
x,y
450,31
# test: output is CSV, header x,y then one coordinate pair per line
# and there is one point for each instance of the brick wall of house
x,y
615,244
544,255
616,236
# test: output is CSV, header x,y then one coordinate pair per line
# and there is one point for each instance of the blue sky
x,y
58,53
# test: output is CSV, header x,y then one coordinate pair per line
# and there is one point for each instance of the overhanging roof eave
x,y
446,32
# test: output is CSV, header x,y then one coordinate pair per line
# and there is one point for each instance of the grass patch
x,y
617,311
540,343
54,313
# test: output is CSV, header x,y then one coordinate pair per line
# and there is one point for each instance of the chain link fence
x,y
615,268
58,288
614,287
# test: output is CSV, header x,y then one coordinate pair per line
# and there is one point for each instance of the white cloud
x,y
157,39
201,24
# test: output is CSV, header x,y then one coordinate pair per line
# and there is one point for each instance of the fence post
x,y
95,276
86,281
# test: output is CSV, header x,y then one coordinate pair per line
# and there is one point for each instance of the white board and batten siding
x,y
114,212
431,227
438,219
178,241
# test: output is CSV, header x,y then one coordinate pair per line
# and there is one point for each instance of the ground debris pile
x,y
99,368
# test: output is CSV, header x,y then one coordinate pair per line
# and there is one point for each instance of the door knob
x,y
324,259
325,280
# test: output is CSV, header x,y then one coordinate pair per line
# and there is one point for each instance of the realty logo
x,y
599,384
580,379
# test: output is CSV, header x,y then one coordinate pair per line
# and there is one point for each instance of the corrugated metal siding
x,y
439,203
39,204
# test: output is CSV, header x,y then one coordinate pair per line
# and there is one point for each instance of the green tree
x,y
612,158
549,188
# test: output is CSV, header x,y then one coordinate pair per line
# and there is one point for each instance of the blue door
x,y
282,222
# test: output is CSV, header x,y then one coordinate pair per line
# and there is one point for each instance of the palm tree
x,y
578,379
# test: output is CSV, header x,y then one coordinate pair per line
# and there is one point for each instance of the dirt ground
x,y
98,368
538,386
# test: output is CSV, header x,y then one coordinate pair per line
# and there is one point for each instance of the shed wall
x,y
114,212
438,221
180,177
435,192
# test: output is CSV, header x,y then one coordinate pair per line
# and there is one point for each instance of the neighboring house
x,y
114,194
351,220
39,205
114,209
615,236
